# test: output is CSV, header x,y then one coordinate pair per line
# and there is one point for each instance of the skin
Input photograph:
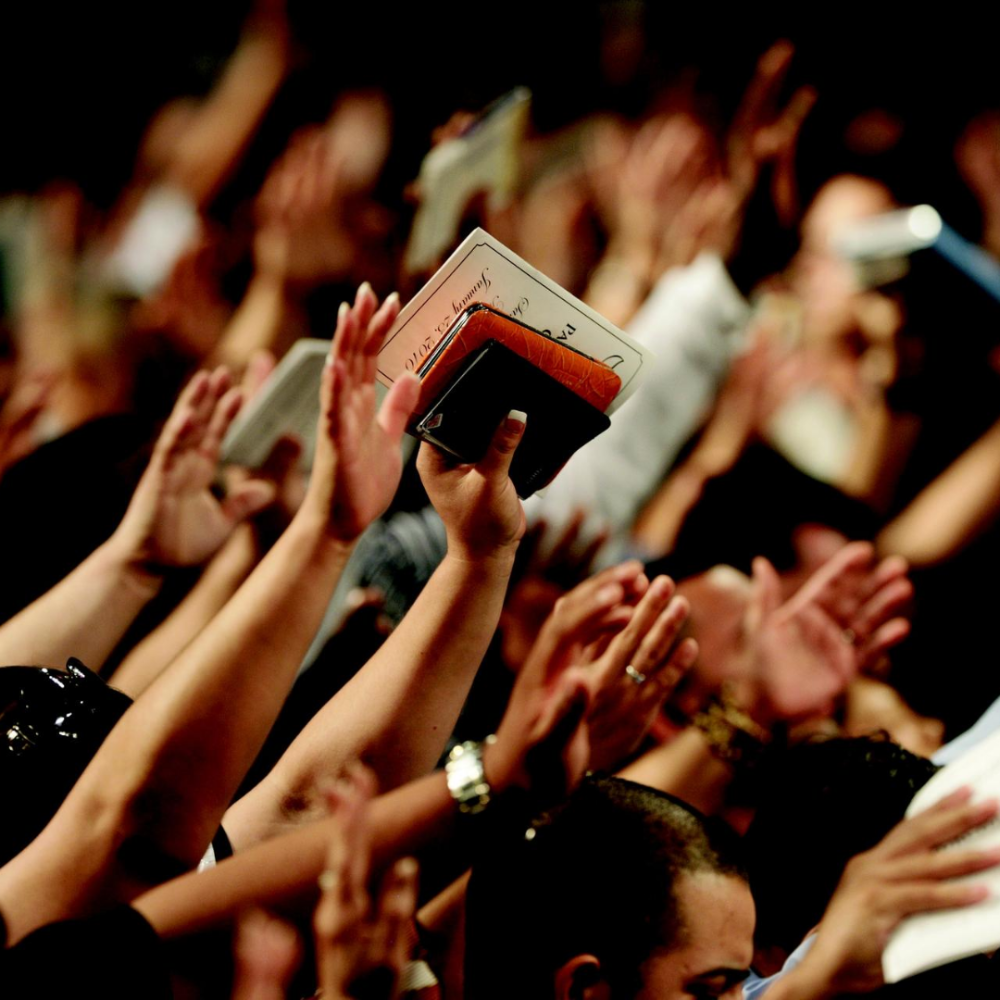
x,y
716,945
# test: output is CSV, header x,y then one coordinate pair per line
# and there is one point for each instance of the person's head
x,y
827,800
53,722
622,892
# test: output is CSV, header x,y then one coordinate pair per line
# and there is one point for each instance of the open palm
x,y
174,519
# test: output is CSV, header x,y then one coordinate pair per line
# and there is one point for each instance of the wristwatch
x,y
466,777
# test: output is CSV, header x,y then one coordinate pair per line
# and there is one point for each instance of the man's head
x,y
622,892
826,800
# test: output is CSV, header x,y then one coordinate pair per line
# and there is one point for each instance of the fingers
x,y
394,911
398,406
579,615
378,327
881,641
760,94
839,584
889,569
938,865
765,597
499,455
352,363
267,952
258,371
248,498
201,416
561,722
923,897
652,630
219,420
943,822
885,603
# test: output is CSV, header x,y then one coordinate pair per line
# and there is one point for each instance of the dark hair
x,y
53,722
595,876
827,800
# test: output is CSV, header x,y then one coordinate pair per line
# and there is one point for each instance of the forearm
x,y
952,510
397,712
203,721
220,580
283,871
166,772
686,767
84,615
267,318
210,149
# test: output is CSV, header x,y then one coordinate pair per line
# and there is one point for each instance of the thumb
x,y
766,596
398,406
499,455
248,498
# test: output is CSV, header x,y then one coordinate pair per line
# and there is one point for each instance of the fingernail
x,y
342,312
365,289
630,568
516,420
392,299
406,868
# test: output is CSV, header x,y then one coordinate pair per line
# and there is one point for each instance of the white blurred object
x,y
815,431
165,224
485,158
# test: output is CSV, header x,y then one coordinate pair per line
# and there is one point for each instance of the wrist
x,y
135,572
312,523
811,980
498,558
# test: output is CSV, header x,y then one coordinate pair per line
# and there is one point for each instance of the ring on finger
x,y
635,675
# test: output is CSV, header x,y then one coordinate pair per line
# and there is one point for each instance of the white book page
x,y
926,940
287,404
486,159
482,269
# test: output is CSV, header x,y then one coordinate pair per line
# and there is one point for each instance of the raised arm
x,y
539,755
397,713
172,520
952,510
151,800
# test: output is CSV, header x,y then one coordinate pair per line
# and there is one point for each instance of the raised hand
x,y
795,657
578,667
863,597
358,462
762,132
636,673
174,519
904,874
478,504
361,943
798,660
542,745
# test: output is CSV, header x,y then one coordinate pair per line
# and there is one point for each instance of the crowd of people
x,y
363,723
